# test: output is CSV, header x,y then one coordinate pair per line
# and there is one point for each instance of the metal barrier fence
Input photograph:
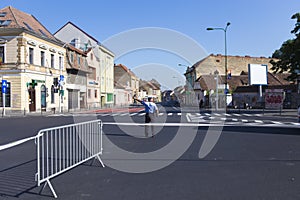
x,y
62,148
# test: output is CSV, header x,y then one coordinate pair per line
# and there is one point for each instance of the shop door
x,y
31,94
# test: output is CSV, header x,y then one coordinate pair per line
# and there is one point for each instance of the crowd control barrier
x,y
62,148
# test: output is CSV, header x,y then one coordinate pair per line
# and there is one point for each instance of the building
x,y
102,64
128,80
93,80
150,89
122,94
243,95
210,70
33,63
76,84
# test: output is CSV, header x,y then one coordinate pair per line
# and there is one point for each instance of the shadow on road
x,y
18,179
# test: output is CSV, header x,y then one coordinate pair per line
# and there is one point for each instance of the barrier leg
x,y
51,188
98,157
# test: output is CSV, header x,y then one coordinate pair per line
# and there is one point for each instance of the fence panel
x,y
60,149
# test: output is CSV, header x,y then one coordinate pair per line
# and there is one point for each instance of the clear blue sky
x,y
258,27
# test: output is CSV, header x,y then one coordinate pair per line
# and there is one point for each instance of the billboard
x,y
258,74
274,98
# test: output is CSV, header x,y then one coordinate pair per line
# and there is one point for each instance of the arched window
x,y
43,96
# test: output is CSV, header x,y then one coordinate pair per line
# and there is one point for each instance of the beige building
x,y
150,89
127,81
213,66
32,60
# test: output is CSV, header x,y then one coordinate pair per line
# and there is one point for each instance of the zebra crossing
x,y
236,119
121,114
206,117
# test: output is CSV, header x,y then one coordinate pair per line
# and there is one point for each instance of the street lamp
x,y
182,65
225,30
216,73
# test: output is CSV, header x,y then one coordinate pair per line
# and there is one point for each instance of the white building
x,y
102,65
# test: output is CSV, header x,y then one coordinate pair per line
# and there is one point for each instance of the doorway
x,y
31,95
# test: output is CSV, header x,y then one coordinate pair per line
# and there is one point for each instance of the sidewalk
x,y
9,114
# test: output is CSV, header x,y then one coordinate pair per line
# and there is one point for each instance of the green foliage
x,y
287,58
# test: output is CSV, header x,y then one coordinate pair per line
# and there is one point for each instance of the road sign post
x,y
4,87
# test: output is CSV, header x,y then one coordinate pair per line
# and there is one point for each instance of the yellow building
x,y
33,63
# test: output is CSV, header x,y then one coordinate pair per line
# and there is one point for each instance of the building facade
x,y
93,80
209,66
32,59
76,84
102,64
128,80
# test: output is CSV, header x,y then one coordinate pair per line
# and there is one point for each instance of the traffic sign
x,y
61,78
4,86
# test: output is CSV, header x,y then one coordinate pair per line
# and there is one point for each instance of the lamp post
x,y
225,31
216,73
188,84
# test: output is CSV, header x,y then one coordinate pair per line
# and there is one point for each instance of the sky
x,y
258,28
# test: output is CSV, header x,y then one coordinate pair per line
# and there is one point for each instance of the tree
x,y
287,58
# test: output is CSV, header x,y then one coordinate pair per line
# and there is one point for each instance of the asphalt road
x,y
247,162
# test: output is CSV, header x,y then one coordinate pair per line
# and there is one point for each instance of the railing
x,y
60,149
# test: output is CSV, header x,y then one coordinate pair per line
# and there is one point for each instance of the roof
x,y
125,69
79,51
88,35
118,85
150,84
71,23
208,82
18,19
235,64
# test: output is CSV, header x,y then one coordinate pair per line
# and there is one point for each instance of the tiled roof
x,y
209,82
126,69
71,47
19,19
148,84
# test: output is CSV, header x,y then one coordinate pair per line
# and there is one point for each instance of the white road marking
x,y
275,122
236,114
258,121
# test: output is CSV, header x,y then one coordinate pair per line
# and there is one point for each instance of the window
x,y
43,33
109,97
27,26
31,55
43,58
92,56
71,57
96,94
89,93
7,95
4,22
52,60
2,14
43,96
2,58
61,64
78,60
